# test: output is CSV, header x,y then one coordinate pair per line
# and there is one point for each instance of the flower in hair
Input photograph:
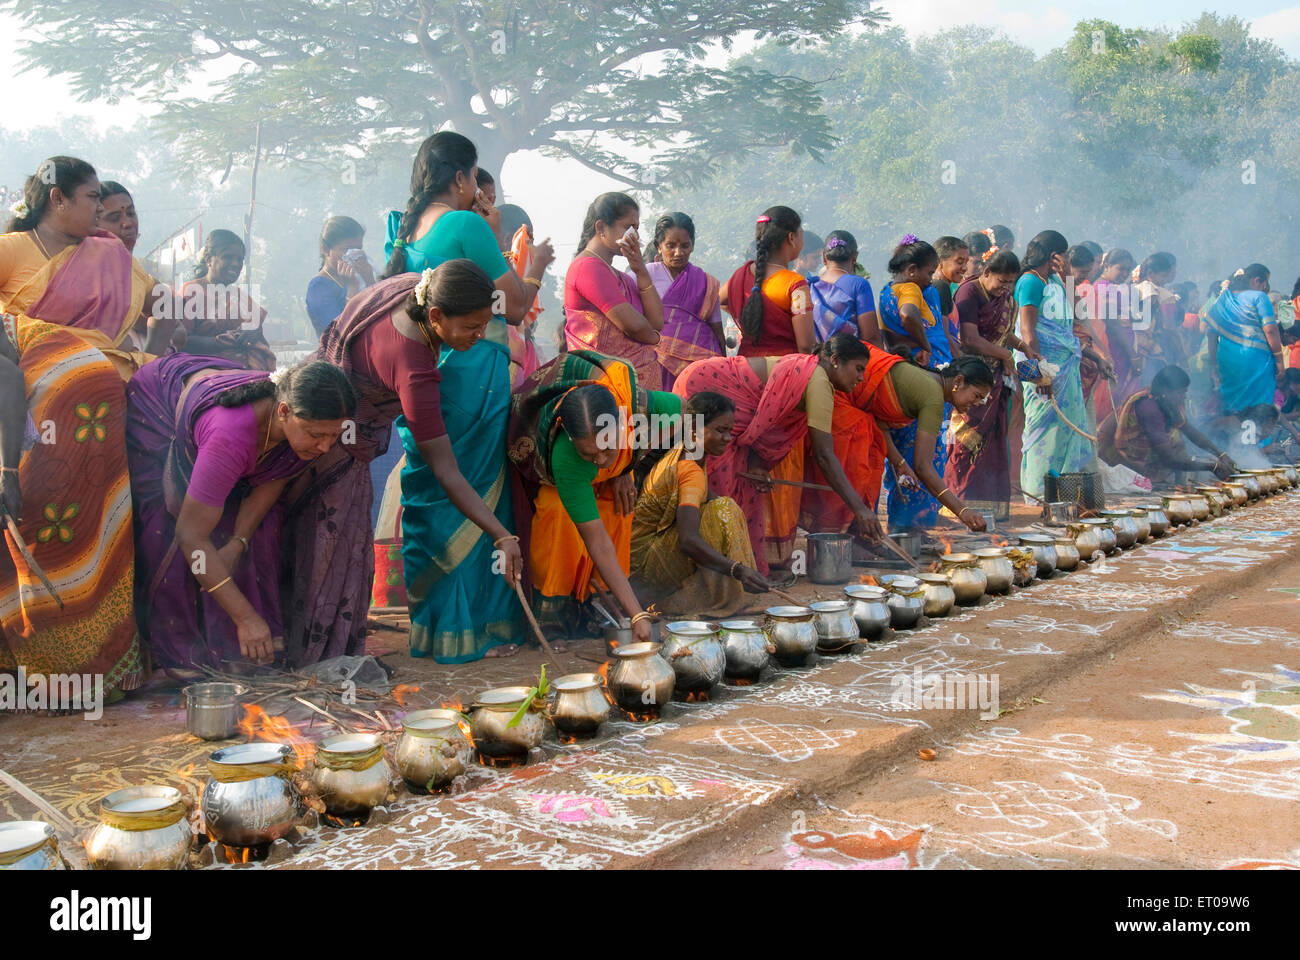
x,y
20,209
422,288
764,219
834,242
908,240
399,244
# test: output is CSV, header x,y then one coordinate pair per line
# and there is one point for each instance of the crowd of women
x,y
177,505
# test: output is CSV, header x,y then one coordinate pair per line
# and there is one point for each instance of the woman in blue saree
x,y
911,316
1243,341
1046,326
461,609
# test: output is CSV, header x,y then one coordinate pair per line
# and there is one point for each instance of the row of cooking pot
x,y
251,800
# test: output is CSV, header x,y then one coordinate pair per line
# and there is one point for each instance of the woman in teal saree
x,y
461,608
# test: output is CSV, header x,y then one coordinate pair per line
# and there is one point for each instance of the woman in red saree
x,y
780,319
779,402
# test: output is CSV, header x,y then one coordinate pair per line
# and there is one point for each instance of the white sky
x,y
555,192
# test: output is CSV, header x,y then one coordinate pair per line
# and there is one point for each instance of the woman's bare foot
x,y
504,650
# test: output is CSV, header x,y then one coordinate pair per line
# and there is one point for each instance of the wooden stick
x,y
28,559
788,598
789,483
71,851
903,554
537,630
324,713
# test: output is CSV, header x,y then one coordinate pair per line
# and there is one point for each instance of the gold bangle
x,y
216,587
963,510
640,616
732,572
8,469
939,495
534,281
646,289
243,540
508,536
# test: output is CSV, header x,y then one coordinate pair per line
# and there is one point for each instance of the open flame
x,y
260,725
697,696
741,682
402,690
459,707
868,579
603,672
947,544
999,541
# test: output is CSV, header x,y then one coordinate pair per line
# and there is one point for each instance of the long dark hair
x,y
772,229
975,371
912,253
458,288
606,208
437,162
216,241
669,221
843,347
66,173
111,188
978,242
841,247
313,391
709,405
337,229
1042,248
1117,255
584,410
1158,262
1255,271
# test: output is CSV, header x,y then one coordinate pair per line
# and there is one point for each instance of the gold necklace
x,y
334,278
39,243
266,448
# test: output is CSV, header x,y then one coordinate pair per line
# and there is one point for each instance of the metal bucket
x,y
213,710
830,558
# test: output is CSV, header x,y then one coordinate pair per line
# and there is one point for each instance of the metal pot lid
x,y
692,628
578,681
740,625
986,553
959,558
23,835
832,606
629,650
942,578
865,591
1039,539
428,724
143,799
346,743
504,696
252,753
829,537
790,612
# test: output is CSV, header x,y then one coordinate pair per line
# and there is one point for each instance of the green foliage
x,y
1145,140
336,77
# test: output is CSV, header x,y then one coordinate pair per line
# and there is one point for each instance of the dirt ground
x,y
1148,715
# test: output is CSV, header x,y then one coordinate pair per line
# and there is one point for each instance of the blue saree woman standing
x,y
1244,344
1046,325
911,316
460,606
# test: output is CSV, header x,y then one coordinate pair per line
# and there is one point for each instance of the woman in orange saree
x,y
570,442
63,477
56,266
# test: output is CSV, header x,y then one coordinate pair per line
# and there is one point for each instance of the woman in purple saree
x,y
692,314
211,448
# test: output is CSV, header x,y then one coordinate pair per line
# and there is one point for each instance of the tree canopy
x,y
335,78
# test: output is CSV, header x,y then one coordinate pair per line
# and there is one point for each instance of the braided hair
x,y
773,229
437,162
315,390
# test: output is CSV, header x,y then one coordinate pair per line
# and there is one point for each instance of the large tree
x,y
331,79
